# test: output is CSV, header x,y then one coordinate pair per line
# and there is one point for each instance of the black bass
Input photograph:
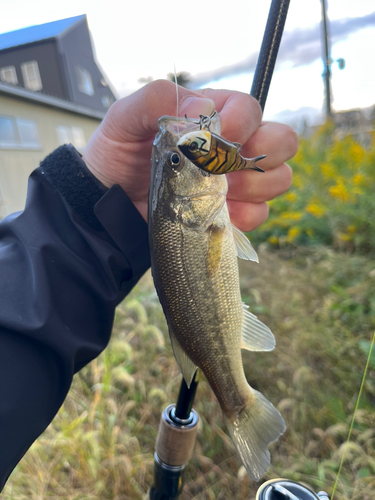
x,y
213,153
194,250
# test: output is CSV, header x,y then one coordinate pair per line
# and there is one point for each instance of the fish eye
x,y
193,146
173,160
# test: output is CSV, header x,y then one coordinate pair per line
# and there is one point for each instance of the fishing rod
x,y
178,424
269,50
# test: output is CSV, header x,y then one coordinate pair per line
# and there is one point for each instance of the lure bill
x,y
214,154
194,249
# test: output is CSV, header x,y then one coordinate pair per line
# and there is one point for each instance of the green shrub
x,y
332,198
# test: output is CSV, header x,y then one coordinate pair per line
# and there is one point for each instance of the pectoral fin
x,y
256,336
245,249
185,364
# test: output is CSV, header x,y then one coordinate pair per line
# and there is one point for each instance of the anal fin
x,y
185,364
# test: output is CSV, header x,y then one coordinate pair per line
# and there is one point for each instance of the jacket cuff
x,y
99,207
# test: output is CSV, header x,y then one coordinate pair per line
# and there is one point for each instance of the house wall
x,y
17,163
47,57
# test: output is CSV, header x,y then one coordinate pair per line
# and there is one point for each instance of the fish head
x,y
176,183
195,144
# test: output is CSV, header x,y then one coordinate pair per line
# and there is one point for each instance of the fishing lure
x,y
214,154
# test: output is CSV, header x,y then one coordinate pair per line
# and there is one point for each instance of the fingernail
x,y
195,106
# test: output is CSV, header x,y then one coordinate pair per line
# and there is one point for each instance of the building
x,y
31,126
56,59
52,92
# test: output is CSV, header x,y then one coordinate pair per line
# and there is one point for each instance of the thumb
x,y
193,106
135,117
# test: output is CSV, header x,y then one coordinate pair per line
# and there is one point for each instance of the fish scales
x,y
195,270
183,250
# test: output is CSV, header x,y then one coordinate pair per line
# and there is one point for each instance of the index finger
x,y
277,141
240,114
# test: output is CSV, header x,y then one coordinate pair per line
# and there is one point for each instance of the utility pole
x,y
326,60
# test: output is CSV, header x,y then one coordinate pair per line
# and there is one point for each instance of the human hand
x,y
120,150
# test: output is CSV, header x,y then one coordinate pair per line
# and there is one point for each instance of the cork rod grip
x,y
175,442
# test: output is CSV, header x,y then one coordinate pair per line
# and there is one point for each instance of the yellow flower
x,y
343,236
274,240
359,179
293,233
339,192
291,197
357,190
351,229
315,209
292,215
328,170
357,153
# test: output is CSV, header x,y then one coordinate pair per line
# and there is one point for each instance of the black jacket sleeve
x,y
66,261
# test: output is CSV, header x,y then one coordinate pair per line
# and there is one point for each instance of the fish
x,y
214,154
194,249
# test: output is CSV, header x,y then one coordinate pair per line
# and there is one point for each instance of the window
x,y
17,133
107,101
8,132
74,135
63,134
28,133
8,75
78,138
31,75
84,81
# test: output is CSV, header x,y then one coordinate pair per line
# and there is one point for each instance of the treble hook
x,y
204,121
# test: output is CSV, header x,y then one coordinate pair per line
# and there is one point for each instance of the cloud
x,y
298,48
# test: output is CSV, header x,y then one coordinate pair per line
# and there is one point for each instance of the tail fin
x,y
252,430
250,163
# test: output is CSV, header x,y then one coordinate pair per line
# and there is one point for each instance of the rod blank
x,y
268,51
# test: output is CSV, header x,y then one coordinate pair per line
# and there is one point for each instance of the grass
x,y
321,307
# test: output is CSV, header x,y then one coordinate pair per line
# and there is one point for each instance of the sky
x,y
219,41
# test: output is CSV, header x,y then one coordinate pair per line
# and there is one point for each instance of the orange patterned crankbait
x,y
213,153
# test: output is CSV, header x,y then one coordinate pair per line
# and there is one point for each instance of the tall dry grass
x,y
319,304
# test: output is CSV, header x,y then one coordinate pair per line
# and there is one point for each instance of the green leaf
x,y
363,472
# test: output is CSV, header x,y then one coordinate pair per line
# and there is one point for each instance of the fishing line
x,y
354,415
175,80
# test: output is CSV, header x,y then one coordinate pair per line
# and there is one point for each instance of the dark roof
x,y
37,33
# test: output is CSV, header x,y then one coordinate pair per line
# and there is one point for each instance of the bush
x,y
332,198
